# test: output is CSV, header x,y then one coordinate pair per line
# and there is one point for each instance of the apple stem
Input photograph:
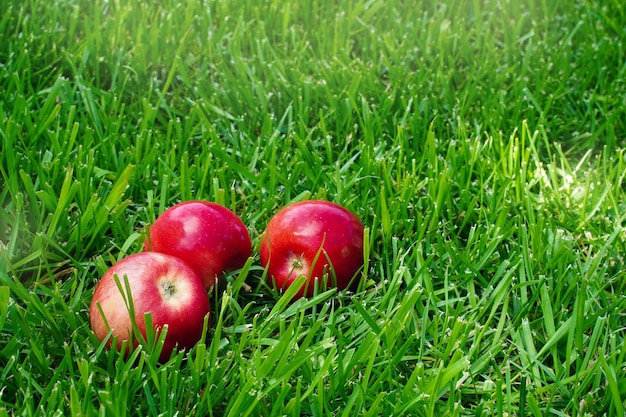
x,y
297,263
169,289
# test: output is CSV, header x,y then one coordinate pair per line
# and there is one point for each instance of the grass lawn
x,y
482,143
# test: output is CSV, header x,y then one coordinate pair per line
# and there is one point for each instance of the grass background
x,y
482,143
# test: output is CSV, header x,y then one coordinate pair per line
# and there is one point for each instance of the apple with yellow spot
x,y
159,284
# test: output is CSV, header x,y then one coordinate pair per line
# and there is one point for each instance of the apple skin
x,y
159,284
294,237
208,236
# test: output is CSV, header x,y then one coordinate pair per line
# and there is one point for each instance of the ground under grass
x,y
482,143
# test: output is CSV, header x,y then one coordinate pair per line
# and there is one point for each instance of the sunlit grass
x,y
481,143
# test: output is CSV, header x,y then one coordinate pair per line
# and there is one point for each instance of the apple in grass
x,y
159,284
318,239
208,236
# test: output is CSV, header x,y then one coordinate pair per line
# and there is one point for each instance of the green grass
x,y
483,144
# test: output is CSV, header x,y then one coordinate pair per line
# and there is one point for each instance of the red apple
x,y
318,239
208,236
159,284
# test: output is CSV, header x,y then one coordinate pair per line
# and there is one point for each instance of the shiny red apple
x,y
318,239
208,236
162,285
